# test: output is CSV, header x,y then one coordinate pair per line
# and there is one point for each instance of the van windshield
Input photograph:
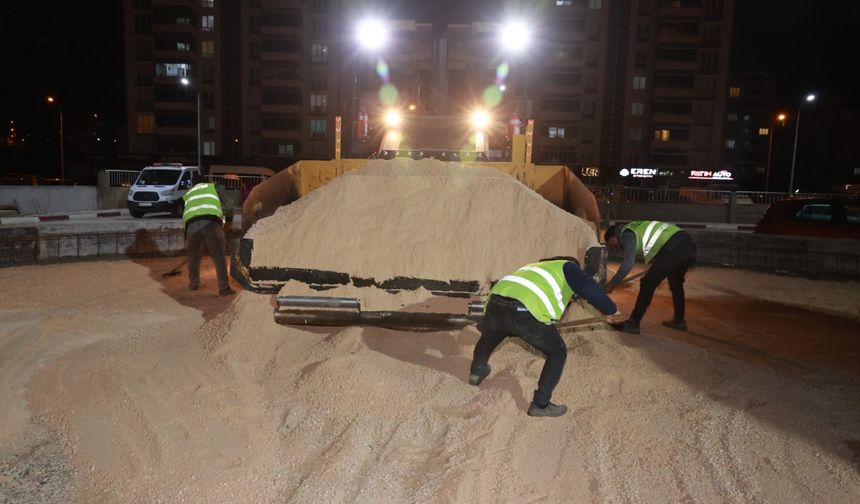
x,y
158,177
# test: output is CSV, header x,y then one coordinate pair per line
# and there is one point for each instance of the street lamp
x,y
52,100
809,99
781,118
187,83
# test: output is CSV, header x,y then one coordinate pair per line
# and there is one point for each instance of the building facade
x,y
611,84
750,123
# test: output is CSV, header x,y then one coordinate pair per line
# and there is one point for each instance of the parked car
x,y
821,217
160,188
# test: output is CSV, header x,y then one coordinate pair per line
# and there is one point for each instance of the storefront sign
x,y
638,172
710,175
590,171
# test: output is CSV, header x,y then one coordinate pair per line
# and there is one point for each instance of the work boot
x,y
631,326
476,377
551,410
226,292
680,325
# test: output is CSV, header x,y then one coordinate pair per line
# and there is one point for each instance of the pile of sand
x,y
425,219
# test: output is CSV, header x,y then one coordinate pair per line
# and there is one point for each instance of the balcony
x,y
669,92
676,65
272,134
658,118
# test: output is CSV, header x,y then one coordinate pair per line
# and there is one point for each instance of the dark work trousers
x,y
201,231
674,259
501,320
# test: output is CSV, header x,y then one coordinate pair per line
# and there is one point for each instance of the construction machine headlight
x,y
480,119
392,119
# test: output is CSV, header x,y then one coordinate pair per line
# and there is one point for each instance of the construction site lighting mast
x,y
371,37
515,38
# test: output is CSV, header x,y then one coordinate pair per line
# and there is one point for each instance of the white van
x,y
159,188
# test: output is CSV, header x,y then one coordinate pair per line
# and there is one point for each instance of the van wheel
x,y
137,214
178,208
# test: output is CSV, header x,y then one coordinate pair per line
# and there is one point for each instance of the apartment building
x,y
750,122
611,84
265,73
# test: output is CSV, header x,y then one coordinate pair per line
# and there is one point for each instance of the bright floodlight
x,y
371,34
480,119
515,36
810,97
392,118
184,81
503,87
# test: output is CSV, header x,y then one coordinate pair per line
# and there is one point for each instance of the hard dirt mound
x,y
424,219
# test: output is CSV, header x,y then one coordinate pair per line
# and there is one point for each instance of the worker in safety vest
x,y
526,304
670,252
204,217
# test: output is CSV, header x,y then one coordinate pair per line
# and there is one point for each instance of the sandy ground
x,y
118,386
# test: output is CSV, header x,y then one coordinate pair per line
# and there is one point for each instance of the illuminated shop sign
x,y
638,172
590,171
710,175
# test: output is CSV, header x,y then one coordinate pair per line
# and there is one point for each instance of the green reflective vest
x,y
202,199
651,236
540,287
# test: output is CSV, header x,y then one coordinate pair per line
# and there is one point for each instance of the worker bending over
x,y
669,250
204,218
525,304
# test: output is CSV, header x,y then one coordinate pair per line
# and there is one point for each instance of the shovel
x,y
175,271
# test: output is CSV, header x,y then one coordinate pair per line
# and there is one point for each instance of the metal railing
x,y
703,196
236,182
122,178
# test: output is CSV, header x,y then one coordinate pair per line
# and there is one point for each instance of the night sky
x,y
76,54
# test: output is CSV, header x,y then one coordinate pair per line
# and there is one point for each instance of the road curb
x,y
31,219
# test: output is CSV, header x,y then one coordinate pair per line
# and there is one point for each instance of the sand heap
x,y
425,219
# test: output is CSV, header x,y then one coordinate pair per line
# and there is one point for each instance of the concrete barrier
x,y
43,200
793,254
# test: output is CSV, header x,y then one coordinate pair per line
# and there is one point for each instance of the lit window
x,y
555,132
594,4
208,148
319,53
661,135
733,117
145,124
636,134
734,91
208,23
183,46
730,144
285,150
183,21
319,128
763,131
208,3
172,69
208,48
639,83
319,103
563,3
637,109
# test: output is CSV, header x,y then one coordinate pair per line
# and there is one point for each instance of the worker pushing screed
x,y
669,250
526,304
